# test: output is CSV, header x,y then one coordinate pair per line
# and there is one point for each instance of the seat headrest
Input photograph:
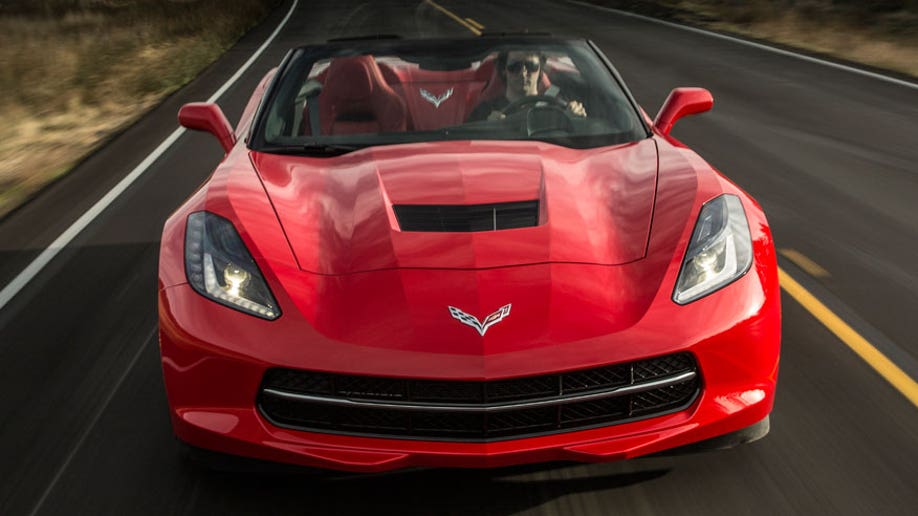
x,y
357,99
352,78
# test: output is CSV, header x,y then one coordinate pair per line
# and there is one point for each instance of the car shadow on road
x,y
421,491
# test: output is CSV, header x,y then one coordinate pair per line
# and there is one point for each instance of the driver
x,y
521,72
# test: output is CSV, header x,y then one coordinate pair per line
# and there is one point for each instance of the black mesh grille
x,y
447,424
449,392
466,218
663,366
456,424
515,422
612,376
662,398
522,388
592,412
296,381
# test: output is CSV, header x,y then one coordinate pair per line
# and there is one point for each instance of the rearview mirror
x,y
682,102
206,116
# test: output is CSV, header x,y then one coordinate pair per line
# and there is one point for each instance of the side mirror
x,y
682,102
204,116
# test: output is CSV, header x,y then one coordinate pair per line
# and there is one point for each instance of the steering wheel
x,y
531,101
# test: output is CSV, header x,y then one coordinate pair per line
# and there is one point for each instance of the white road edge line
x,y
95,419
760,46
43,259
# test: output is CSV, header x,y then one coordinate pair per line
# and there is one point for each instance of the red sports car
x,y
469,252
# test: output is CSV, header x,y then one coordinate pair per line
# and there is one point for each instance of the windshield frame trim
x,y
256,130
255,126
621,84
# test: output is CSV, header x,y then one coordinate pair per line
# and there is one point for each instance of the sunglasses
x,y
516,66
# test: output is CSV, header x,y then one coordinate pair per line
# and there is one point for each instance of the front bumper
x,y
213,388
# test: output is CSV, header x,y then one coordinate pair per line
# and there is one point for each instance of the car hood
x,y
594,206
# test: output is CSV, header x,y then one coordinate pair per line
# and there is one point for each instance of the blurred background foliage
x,y
56,52
74,72
888,14
900,15
877,33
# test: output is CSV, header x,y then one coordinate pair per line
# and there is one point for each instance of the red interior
x,y
361,95
357,99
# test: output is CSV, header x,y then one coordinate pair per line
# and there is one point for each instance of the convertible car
x,y
373,278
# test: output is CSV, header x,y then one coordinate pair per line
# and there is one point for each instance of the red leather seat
x,y
357,99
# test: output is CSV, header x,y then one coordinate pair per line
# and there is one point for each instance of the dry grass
x,y
879,33
856,44
72,72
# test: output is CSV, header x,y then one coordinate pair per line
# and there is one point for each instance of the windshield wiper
x,y
313,149
329,149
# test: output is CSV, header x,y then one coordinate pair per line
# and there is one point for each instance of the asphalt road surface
x,y
830,154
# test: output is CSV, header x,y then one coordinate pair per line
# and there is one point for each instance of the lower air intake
x,y
479,411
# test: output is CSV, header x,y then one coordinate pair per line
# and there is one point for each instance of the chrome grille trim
x,y
486,410
489,407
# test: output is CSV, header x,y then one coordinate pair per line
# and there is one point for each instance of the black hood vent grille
x,y
467,218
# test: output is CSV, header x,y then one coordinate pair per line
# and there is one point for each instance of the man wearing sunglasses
x,y
522,74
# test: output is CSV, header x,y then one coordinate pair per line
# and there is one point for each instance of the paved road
x,y
831,156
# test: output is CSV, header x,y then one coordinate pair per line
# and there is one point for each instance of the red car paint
x,y
591,285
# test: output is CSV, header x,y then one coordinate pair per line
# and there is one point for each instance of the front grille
x,y
478,411
466,218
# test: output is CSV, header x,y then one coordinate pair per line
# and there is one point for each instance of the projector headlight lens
x,y
219,267
719,253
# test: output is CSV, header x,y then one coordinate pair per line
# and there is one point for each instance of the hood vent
x,y
466,218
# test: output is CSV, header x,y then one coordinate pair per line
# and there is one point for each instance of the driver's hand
x,y
576,108
496,115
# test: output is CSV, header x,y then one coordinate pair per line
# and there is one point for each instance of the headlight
x,y
720,250
219,267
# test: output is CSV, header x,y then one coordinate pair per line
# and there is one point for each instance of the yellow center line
x,y
877,360
809,266
475,23
457,19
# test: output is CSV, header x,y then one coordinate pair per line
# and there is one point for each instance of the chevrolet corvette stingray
x,y
376,278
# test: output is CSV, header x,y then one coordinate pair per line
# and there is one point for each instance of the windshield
x,y
336,98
